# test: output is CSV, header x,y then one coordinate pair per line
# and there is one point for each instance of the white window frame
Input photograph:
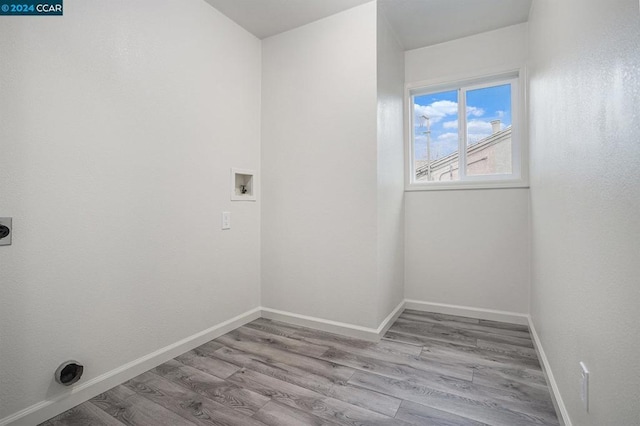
x,y
519,158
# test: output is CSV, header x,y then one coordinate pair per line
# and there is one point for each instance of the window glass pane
x,y
489,130
435,136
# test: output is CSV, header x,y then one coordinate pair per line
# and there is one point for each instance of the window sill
x,y
466,185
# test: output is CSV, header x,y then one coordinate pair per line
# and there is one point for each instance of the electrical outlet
x,y
226,220
5,231
584,386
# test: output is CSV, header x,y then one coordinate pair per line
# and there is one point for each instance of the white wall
x,y
468,247
319,168
585,199
502,48
120,122
390,159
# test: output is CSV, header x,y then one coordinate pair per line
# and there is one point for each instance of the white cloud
x,y
435,111
473,126
479,126
438,110
448,137
450,124
500,114
474,111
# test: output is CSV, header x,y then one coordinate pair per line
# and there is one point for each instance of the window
x,y
466,135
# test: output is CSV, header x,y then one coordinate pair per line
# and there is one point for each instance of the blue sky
x,y
483,106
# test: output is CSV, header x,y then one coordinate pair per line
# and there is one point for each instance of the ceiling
x,y
417,23
264,18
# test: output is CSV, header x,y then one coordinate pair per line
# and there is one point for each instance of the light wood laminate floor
x,y
430,369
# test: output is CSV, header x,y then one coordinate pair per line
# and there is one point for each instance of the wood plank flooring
x,y
429,369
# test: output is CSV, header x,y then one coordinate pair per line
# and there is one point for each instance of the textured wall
x,y
319,225
119,124
469,248
585,199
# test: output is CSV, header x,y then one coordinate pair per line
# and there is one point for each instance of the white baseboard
x,y
342,328
330,326
561,409
47,409
467,311
44,410
510,317
389,320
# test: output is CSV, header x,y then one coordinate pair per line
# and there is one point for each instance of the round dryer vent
x,y
69,373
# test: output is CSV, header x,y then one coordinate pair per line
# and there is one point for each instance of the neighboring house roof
x,y
482,144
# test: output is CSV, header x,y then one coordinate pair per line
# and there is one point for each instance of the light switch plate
x,y
6,221
226,220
